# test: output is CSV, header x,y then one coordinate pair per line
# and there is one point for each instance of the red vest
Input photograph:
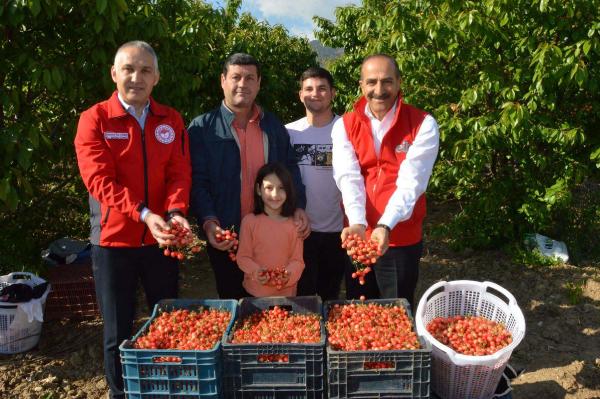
x,y
380,173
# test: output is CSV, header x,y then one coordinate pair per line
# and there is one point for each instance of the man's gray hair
x,y
139,44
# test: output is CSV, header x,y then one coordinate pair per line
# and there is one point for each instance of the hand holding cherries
x,y
363,253
228,235
185,244
277,277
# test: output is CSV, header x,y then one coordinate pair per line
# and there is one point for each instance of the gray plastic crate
x,y
407,377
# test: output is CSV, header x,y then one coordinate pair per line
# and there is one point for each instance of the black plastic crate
x,y
193,373
407,377
244,376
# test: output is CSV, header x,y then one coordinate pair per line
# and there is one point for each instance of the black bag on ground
x,y
66,251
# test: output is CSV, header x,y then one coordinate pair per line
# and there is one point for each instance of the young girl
x,y
269,242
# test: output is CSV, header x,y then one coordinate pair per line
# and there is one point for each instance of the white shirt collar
x,y
130,108
387,115
380,127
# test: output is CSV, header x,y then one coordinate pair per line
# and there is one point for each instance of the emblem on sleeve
x,y
403,147
165,134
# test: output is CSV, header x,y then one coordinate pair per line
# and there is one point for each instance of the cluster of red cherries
x,y
277,325
228,235
364,254
277,277
185,244
274,358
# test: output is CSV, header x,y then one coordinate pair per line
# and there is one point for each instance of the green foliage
x,y
514,86
527,256
575,291
578,221
282,62
56,57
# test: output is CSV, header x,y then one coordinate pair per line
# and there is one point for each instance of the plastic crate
x,y
457,376
73,293
407,377
299,378
195,374
17,333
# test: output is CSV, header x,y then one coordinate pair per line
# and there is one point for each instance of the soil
x,y
560,352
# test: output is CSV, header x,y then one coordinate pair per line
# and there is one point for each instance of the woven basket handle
x,y
511,301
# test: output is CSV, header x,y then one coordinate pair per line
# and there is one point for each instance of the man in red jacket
x,y
133,156
383,155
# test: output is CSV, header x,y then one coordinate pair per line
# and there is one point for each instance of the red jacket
x,y
126,169
380,174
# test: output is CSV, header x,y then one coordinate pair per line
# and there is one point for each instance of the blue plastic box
x,y
301,378
195,374
407,377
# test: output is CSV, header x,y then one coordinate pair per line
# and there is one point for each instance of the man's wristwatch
x,y
174,213
384,226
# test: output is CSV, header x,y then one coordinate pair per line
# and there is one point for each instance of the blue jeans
x,y
116,275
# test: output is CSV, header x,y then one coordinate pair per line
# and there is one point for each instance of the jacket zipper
x,y
145,157
377,178
105,217
182,143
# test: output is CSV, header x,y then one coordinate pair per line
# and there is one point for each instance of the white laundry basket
x,y
17,333
458,376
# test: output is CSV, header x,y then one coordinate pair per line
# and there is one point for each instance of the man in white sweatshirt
x,y
311,138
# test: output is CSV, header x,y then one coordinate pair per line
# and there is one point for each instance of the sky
x,y
295,15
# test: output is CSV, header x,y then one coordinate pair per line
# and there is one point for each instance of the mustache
x,y
373,96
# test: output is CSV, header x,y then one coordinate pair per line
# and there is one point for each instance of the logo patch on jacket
x,y
403,147
165,134
116,135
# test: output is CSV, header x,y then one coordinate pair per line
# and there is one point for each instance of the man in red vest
x,y
383,155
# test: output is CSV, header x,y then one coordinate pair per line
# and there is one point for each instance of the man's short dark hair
x,y
317,72
391,59
241,59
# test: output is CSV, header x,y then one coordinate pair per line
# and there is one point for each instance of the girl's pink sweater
x,y
269,243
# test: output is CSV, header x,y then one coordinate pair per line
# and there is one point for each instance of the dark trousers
x,y
116,275
324,264
228,275
394,275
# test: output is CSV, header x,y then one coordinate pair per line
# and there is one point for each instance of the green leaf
x,y
98,24
33,136
47,78
12,199
24,158
586,46
543,5
56,77
35,7
595,156
4,188
100,6
122,4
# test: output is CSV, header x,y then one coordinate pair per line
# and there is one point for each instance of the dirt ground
x,y
560,352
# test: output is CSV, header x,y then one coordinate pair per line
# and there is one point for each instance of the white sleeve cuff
x,y
389,220
143,214
356,218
